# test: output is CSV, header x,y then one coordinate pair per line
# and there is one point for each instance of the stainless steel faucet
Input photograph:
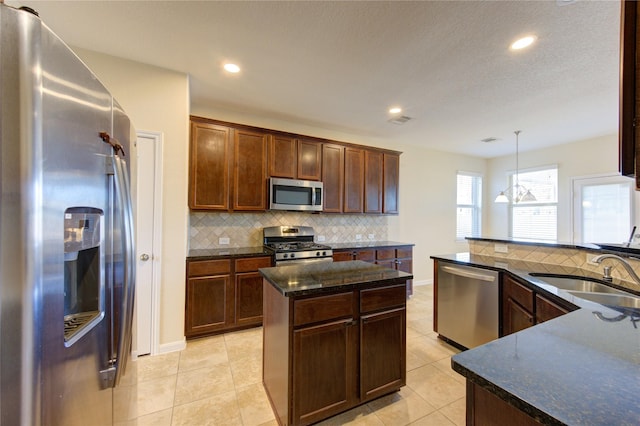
x,y
627,266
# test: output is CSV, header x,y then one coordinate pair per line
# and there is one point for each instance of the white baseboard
x,y
422,282
176,346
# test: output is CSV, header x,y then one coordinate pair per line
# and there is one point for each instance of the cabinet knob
x,y
144,257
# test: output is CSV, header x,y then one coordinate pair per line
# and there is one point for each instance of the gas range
x,y
294,244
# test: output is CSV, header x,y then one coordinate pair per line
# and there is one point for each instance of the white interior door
x,y
148,244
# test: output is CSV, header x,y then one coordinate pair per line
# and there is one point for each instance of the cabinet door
x,y
372,182
382,353
282,157
353,180
547,310
209,160
515,317
209,304
333,177
391,183
342,256
248,307
324,371
309,160
250,171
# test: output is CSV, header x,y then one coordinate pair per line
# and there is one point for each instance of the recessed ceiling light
x,y
233,68
523,42
395,110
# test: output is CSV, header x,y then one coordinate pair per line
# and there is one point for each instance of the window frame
x,y
513,205
476,206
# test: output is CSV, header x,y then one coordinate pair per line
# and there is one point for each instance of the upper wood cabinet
x,y
309,159
294,158
373,181
629,143
209,162
391,182
353,180
230,163
333,177
250,170
282,157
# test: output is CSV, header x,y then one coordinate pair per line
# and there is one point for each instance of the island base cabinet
x,y
382,354
324,359
328,353
484,408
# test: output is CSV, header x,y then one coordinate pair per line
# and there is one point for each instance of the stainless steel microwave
x,y
295,194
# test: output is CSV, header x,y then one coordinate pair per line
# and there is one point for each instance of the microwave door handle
x,y
313,196
123,198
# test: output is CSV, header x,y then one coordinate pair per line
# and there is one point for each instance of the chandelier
x,y
515,193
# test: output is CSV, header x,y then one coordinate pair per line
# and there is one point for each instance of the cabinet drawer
x,y
519,293
366,255
200,268
252,264
404,252
380,298
383,254
322,308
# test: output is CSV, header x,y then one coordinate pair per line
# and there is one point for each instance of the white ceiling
x,y
341,64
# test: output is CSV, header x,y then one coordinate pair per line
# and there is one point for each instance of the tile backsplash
x,y
245,229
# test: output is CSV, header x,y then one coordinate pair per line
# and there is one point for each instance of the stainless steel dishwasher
x,y
467,304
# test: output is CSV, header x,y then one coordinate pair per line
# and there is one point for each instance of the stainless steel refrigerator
x,y
66,266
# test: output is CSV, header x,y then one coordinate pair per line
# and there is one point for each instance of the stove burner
x,y
296,246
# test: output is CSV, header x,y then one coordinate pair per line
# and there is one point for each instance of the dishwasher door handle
x,y
468,274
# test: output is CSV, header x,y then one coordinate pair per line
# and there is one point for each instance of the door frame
x,y
157,138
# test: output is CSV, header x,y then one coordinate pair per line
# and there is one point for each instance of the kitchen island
x,y
580,368
334,337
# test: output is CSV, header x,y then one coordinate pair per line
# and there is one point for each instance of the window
x,y
603,209
537,220
469,195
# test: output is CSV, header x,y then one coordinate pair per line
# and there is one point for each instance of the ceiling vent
x,y
489,140
400,120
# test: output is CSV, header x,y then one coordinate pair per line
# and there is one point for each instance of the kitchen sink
x,y
621,300
577,284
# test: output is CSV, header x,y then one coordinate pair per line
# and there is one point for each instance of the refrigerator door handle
x,y
123,196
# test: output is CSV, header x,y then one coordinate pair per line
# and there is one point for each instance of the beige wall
x,y
578,159
158,100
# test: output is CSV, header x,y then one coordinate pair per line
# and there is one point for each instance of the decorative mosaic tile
x,y
245,229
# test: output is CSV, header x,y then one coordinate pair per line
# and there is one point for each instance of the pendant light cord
x,y
517,132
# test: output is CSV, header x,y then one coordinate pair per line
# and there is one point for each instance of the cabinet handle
x,y
399,262
350,323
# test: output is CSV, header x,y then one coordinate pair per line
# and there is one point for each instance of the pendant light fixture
x,y
515,193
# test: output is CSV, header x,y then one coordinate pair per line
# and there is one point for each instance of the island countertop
x,y
316,278
580,368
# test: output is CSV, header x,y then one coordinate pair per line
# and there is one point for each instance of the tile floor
x,y
217,381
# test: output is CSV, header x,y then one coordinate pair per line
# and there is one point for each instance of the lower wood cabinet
x,y
328,353
399,257
484,408
522,307
223,294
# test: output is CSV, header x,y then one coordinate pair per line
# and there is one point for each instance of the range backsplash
x,y
245,229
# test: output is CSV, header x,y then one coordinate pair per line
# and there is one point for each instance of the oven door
x,y
304,261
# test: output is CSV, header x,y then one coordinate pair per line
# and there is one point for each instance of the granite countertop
x,y
205,254
367,244
580,368
227,252
321,277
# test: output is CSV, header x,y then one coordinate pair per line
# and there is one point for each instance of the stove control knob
x,y
285,255
292,255
324,253
317,253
